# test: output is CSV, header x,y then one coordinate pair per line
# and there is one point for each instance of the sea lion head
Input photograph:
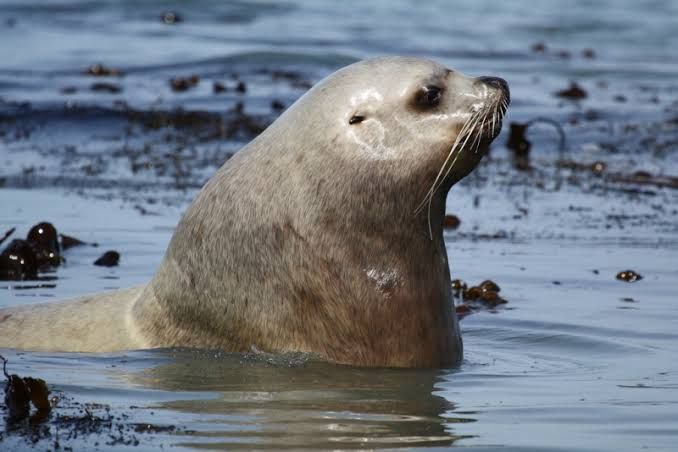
x,y
435,123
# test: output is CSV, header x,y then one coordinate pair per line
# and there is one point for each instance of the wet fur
x,y
276,253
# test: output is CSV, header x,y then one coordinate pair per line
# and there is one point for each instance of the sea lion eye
x,y
430,96
355,119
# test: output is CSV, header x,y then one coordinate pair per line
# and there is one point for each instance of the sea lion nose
x,y
496,82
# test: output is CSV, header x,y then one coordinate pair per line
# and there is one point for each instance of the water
x,y
576,361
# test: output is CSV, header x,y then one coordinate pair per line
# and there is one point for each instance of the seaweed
x,y
108,259
7,234
628,276
573,92
484,296
41,251
520,145
20,393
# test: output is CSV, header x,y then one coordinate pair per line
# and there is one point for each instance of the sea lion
x,y
322,235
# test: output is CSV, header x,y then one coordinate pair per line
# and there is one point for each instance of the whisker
x,y
479,135
460,136
466,129
465,133
471,134
447,173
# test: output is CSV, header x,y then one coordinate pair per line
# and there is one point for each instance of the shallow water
x,y
575,361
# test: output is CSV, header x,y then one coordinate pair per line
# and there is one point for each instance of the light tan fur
x,y
307,239
95,323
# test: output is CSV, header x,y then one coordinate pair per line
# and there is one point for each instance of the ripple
x,y
509,347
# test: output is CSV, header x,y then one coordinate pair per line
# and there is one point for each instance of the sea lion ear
x,y
356,119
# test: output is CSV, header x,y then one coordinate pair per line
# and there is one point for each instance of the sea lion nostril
x,y
495,82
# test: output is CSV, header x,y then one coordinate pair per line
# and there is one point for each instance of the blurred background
x,y
82,82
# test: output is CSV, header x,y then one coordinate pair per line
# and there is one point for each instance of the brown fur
x,y
306,240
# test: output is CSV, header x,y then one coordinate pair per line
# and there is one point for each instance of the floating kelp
x,y
41,251
573,92
99,70
108,259
451,222
44,239
18,261
59,421
628,276
520,145
484,296
23,259
171,18
69,242
7,234
180,84
20,393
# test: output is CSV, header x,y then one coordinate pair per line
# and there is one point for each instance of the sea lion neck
x,y
330,190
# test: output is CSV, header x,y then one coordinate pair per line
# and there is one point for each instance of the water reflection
x,y
273,402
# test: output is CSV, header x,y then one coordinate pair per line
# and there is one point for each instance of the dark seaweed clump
x,y
24,258
41,252
31,415
628,276
484,296
21,393
108,259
